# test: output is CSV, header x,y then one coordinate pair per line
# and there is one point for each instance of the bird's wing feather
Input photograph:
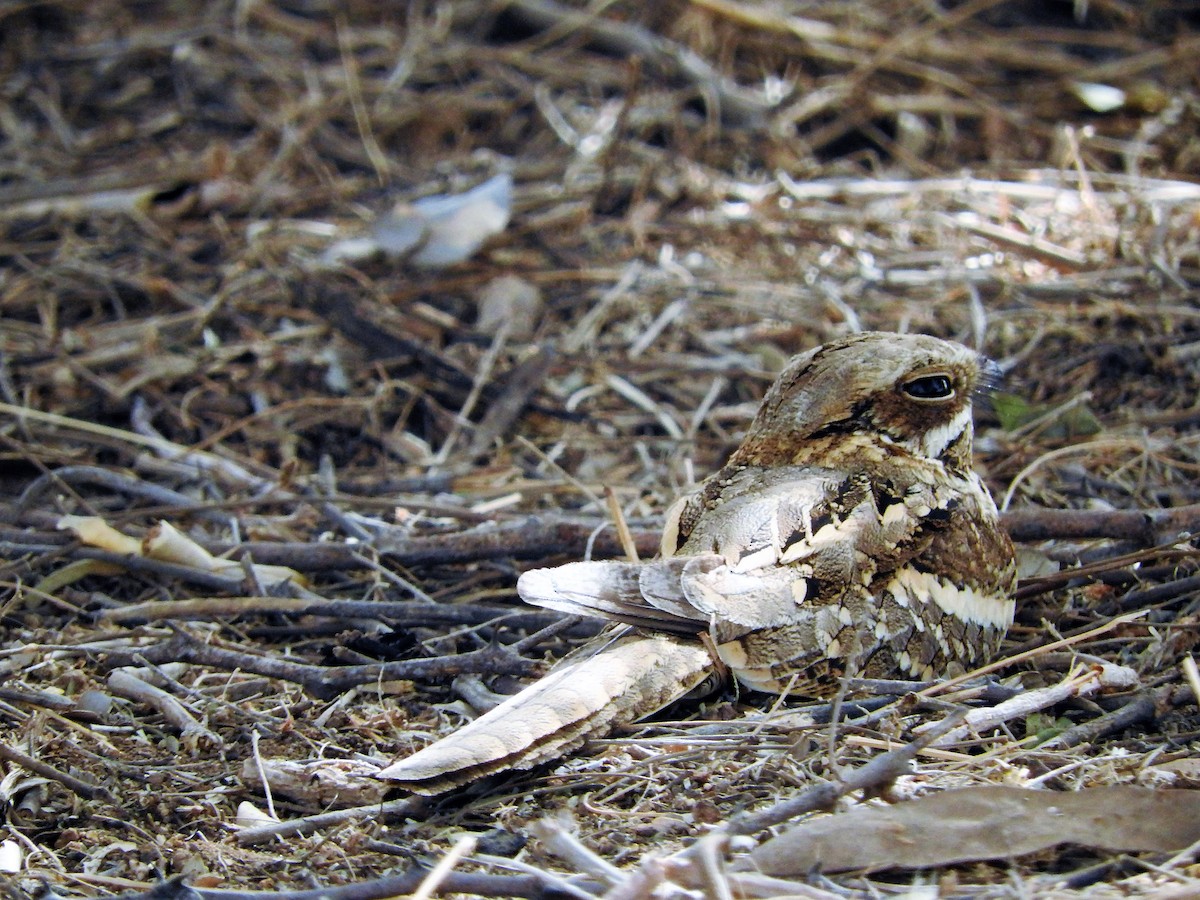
x,y
776,543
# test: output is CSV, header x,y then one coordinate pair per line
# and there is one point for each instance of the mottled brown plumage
x,y
847,534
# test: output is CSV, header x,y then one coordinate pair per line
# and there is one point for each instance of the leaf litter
x,y
689,193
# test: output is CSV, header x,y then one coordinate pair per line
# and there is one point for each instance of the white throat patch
x,y
934,442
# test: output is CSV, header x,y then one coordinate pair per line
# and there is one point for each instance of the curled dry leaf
x,y
95,532
166,543
979,823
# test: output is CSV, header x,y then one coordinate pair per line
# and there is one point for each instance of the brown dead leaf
x,y
979,823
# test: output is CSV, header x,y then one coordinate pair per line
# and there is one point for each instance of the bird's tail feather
x,y
629,679
648,594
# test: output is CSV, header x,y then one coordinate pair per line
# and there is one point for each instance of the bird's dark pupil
x,y
930,387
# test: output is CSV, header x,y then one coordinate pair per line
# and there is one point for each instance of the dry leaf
x,y
166,543
95,532
1033,563
73,572
984,823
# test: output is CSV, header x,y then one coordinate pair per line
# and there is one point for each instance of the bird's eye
x,y
930,387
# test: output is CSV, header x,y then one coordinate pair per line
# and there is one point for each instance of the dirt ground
x,y
198,328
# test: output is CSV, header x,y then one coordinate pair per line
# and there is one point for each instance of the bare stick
x,y
882,769
125,683
324,682
70,782
408,806
1143,707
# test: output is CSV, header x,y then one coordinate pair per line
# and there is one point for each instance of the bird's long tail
x,y
631,678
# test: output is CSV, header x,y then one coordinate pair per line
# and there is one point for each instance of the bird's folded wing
x,y
777,553
627,680
786,552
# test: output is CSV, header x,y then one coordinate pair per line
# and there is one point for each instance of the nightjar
x,y
847,535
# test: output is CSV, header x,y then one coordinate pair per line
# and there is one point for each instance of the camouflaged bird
x,y
848,534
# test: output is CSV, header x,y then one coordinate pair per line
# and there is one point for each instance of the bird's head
x,y
907,391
